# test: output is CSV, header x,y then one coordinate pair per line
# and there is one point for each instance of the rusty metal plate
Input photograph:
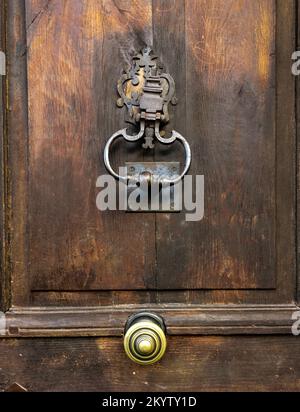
x,y
158,171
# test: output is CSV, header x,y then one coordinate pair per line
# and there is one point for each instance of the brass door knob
x,y
145,340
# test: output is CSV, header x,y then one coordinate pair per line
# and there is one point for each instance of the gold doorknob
x,y
145,340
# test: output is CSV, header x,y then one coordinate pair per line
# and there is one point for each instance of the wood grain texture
x,y
231,124
67,71
74,247
76,53
72,112
3,173
190,364
297,90
128,297
169,31
17,163
179,320
286,149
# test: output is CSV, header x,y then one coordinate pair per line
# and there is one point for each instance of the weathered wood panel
x,y
71,245
286,152
190,364
76,52
3,156
179,320
110,298
298,157
231,123
169,28
18,155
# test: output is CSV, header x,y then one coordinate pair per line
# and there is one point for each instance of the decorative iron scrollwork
x,y
146,91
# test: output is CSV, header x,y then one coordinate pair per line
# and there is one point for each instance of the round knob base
x,y
145,340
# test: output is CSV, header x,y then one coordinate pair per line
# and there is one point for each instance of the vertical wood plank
x,y
17,124
170,44
231,127
4,292
297,91
286,151
76,53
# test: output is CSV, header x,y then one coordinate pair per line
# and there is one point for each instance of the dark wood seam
x,y
4,276
297,108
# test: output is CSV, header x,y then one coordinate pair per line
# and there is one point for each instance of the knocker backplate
x,y
159,171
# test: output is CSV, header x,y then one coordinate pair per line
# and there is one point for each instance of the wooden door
x,y
226,286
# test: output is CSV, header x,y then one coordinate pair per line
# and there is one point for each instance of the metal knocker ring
x,y
175,136
148,109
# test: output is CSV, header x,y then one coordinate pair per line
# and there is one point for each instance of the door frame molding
x,y
179,319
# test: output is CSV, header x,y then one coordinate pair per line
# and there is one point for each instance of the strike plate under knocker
x,y
146,91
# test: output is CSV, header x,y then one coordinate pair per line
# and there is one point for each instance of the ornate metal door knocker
x,y
146,92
